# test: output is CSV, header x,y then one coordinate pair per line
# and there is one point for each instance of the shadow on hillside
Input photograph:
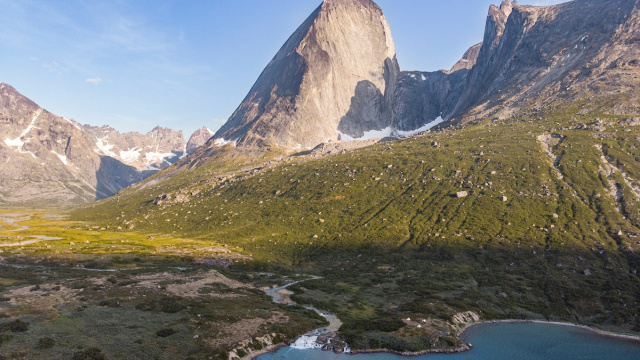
x,y
113,176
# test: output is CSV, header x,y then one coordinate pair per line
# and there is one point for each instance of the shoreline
x,y
268,349
468,346
584,327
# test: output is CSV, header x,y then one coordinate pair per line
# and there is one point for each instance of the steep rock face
x,y
422,97
49,160
199,138
542,54
335,73
157,149
468,60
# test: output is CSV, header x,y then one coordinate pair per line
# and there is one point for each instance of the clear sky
x,y
135,64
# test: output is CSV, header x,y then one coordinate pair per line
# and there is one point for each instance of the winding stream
x,y
280,295
13,219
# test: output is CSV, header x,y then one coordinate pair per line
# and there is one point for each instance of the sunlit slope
x,y
541,180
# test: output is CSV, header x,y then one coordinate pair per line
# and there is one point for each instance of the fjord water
x,y
509,341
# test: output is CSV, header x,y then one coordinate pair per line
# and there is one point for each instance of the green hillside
x,y
548,228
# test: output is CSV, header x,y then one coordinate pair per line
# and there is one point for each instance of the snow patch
x,y
412,75
105,148
131,155
154,157
368,135
306,342
436,121
423,77
33,121
62,158
391,132
17,142
223,142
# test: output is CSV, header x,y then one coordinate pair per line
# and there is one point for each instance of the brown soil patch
x,y
191,287
243,329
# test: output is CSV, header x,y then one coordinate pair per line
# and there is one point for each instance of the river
x,y
280,295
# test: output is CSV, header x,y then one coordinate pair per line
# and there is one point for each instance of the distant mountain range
x,y
47,159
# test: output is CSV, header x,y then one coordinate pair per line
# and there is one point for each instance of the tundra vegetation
x,y
548,230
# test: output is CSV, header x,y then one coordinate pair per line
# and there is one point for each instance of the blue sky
x,y
186,64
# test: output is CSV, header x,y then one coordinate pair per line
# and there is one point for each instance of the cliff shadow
x,y
370,108
366,111
113,176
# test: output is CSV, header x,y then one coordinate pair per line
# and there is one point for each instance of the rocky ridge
x,y
155,150
47,159
535,56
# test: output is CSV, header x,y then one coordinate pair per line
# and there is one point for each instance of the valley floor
x,y
68,291
73,290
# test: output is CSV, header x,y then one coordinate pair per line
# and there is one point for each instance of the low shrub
x,y
46,343
166,332
89,354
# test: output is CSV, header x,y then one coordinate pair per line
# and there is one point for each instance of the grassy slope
x,y
557,248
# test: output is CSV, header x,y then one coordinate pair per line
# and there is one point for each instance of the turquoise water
x,y
509,341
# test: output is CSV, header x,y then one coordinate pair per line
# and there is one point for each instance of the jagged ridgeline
x,y
47,160
526,208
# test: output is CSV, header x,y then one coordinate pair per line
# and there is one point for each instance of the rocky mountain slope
x,y
154,150
334,75
47,159
535,56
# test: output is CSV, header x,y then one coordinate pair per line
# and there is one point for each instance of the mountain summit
x,y
334,74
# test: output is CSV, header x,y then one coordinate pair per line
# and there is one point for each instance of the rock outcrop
x,y
468,60
199,138
336,73
420,98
